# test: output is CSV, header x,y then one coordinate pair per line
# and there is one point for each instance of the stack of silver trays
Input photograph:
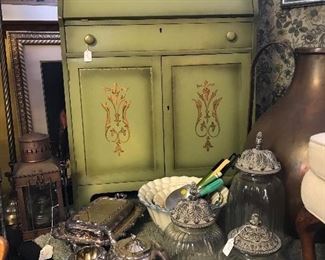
x,y
91,225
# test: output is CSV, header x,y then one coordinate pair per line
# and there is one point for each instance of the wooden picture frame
x,y
18,42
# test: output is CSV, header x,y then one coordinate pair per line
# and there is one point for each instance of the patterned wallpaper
x,y
299,27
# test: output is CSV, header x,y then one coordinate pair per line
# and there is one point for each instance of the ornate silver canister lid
x,y
193,212
258,161
254,238
132,248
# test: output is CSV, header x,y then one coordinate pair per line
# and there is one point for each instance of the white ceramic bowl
x,y
160,198
154,193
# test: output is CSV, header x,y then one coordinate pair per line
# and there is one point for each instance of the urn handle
x,y
161,254
111,239
278,45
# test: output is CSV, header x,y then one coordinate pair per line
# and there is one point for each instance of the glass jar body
x,y
193,243
237,255
256,193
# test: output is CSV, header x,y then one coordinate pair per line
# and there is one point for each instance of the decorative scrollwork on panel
x,y
117,129
207,124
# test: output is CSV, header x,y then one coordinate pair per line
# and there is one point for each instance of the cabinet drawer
x,y
161,37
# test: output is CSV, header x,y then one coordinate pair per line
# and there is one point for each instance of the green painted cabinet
x,y
162,95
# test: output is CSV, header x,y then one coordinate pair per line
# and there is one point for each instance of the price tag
x,y
228,246
46,252
231,242
88,56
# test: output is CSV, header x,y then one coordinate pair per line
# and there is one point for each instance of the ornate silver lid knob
x,y
257,160
259,140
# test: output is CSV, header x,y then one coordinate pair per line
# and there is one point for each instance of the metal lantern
x,y
257,189
37,180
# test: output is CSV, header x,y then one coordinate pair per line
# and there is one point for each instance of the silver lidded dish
x,y
134,248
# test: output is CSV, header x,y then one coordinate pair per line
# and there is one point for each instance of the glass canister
x,y
193,233
256,189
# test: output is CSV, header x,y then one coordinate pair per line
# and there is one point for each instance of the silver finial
x,y
194,193
257,160
259,140
255,220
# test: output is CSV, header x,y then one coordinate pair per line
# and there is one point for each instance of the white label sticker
x,y
228,246
88,56
46,252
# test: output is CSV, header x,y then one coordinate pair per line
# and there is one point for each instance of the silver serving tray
x,y
90,226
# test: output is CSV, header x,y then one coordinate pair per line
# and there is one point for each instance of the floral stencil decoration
x,y
207,124
117,129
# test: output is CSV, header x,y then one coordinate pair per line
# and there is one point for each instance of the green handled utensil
x,y
183,192
218,171
213,186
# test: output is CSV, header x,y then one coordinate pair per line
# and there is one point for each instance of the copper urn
x,y
287,127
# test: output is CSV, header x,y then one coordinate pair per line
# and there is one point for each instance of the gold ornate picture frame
x,y
18,42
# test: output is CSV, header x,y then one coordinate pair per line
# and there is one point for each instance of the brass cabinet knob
x,y
231,36
90,39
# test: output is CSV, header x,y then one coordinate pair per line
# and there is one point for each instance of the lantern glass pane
x,y
39,200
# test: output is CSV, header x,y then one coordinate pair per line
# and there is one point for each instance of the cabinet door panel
x,y
116,122
206,104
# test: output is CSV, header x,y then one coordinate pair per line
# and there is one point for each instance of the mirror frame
x,y
17,42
